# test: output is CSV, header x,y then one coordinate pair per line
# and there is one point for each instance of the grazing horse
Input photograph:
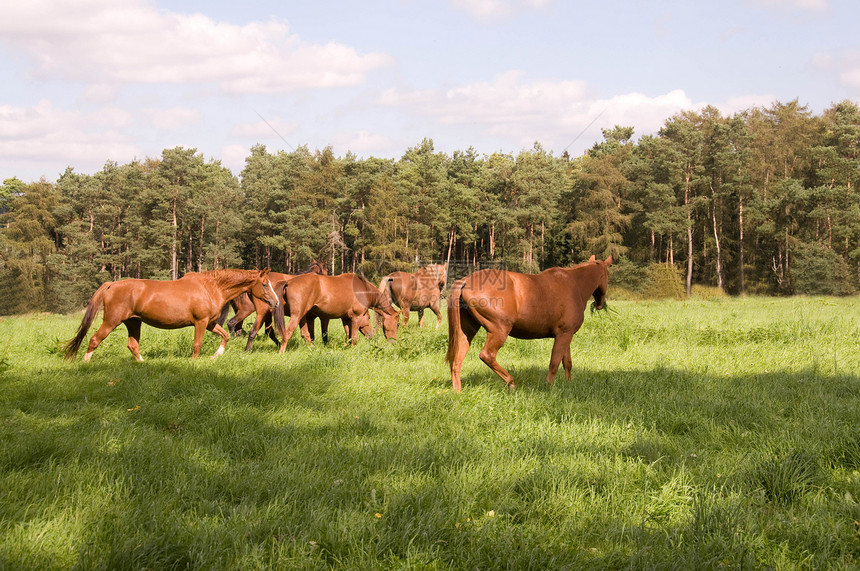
x,y
549,304
194,300
346,297
418,291
244,305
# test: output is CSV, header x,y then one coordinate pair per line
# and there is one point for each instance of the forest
x,y
763,202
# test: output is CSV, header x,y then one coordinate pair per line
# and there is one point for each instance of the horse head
x,y
263,289
602,283
390,323
441,275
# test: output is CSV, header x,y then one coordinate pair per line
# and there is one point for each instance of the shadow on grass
x,y
194,465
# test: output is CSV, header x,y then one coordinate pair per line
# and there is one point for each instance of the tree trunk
x,y
689,236
743,285
717,240
200,253
174,247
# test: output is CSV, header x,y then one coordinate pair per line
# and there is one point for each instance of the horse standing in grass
x,y
194,300
347,297
418,291
549,304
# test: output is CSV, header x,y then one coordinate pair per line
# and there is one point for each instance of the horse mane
x,y
228,277
436,271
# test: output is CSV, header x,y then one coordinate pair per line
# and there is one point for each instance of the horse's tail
x,y
73,344
279,313
454,321
387,291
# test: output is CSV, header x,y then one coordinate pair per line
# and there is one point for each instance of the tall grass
x,y
719,433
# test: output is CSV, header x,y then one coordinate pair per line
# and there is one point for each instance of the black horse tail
x,y
72,345
454,321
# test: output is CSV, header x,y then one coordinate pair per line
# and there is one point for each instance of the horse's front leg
x,y
218,330
352,333
200,328
133,326
307,330
560,354
270,328
252,334
434,307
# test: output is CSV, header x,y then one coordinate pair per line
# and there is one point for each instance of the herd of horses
x,y
547,305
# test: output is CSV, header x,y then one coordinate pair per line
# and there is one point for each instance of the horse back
x,y
165,304
532,306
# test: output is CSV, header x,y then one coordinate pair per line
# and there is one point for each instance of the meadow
x,y
720,433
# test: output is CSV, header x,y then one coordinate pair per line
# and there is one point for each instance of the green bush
x,y
818,270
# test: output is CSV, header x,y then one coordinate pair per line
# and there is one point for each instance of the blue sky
x,y
87,81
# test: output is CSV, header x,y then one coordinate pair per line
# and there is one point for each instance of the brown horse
x,y
418,291
346,297
244,305
550,304
194,300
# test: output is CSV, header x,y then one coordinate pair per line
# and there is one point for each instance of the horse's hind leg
x,y
421,318
103,331
133,326
464,335
495,340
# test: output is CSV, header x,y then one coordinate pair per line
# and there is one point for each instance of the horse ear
x,y
264,273
608,261
592,258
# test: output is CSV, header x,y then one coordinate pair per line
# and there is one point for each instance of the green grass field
x,y
701,434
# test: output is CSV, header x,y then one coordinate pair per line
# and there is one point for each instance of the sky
x,y
85,82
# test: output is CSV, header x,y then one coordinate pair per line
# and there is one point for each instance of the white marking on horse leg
x,y
87,356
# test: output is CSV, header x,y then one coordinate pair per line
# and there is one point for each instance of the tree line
x,y
759,202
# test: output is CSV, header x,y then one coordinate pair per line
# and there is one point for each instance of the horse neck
x,y
590,273
375,298
433,271
231,283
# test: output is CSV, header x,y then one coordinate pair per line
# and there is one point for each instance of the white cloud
x,y
133,42
804,5
553,112
233,157
53,138
169,119
487,9
362,142
843,65
264,129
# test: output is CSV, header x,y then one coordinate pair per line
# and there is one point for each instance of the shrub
x,y
663,281
818,270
